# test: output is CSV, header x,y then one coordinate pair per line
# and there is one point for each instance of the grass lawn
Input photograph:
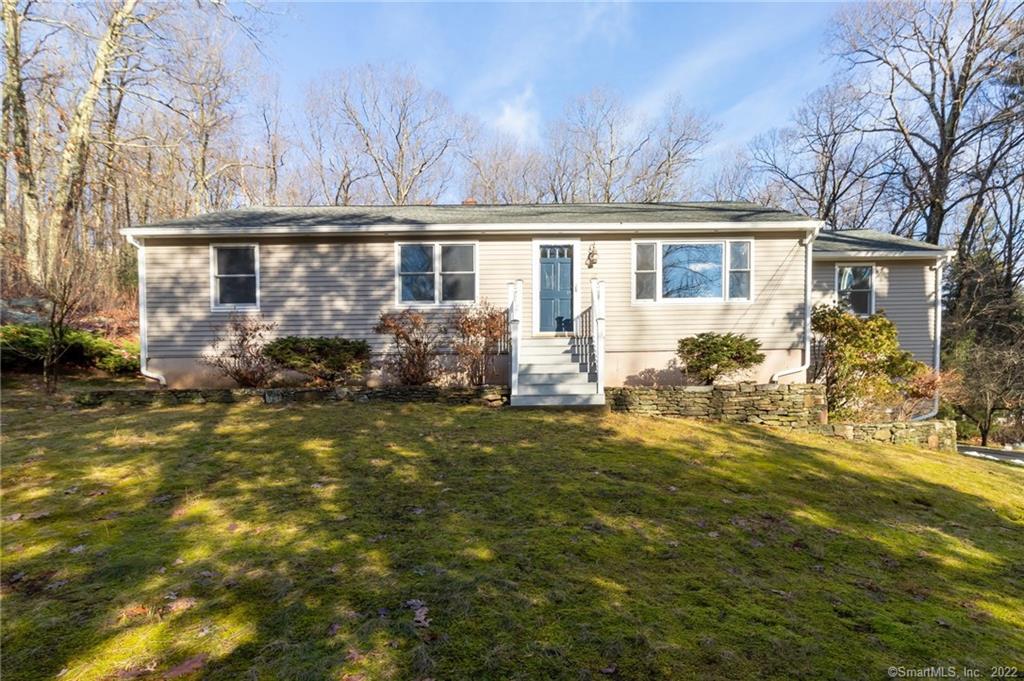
x,y
419,541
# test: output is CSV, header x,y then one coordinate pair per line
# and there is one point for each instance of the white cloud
x,y
519,118
716,60
535,39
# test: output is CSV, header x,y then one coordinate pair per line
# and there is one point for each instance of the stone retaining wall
x,y
795,405
492,396
938,435
800,406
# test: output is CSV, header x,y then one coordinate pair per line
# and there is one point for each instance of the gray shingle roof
x,y
257,219
873,241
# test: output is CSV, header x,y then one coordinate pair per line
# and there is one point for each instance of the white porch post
x,y
515,315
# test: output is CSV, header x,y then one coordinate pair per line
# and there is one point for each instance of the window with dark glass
x,y
432,273
458,278
739,270
855,284
691,270
416,272
234,275
646,274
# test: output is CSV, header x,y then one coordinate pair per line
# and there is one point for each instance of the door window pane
x,y
691,271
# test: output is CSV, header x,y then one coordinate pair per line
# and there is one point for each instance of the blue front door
x,y
556,288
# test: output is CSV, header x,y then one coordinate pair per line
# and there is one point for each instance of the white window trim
x,y
436,245
576,275
874,284
659,298
219,307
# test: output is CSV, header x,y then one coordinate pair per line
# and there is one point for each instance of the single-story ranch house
x,y
598,294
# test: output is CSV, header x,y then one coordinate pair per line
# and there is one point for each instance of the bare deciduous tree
x,y
825,164
621,156
934,73
501,171
337,171
408,131
16,112
737,180
600,151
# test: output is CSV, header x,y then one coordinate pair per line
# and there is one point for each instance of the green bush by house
x,y
710,356
23,346
866,373
329,360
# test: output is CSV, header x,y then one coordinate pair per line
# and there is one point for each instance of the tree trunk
x,y
50,371
67,192
15,104
5,152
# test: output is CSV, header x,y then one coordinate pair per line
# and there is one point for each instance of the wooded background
x,y
125,112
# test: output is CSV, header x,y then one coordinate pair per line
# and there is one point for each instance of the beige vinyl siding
x,y
774,316
339,287
307,287
904,292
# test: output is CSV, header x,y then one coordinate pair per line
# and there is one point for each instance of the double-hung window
x,y
739,270
646,271
691,270
235,276
436,273
855,287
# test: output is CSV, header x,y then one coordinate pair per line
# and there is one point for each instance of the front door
x,y
556,288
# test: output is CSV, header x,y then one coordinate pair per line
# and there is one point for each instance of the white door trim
x,y
576,275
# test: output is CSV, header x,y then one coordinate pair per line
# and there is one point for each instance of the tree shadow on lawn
x,y
304,542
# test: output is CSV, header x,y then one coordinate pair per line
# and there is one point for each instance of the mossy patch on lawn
x,y
419,541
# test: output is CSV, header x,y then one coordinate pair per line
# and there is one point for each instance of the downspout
x,y
936,351
808,264
143,322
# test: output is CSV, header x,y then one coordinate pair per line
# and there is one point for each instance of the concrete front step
x,y
557,400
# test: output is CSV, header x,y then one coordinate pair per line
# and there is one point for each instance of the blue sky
x,y
515,65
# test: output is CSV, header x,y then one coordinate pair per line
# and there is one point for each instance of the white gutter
x,y
808,265
937,350
143,322
909,254
483,228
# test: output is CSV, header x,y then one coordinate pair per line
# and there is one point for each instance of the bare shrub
x,y
239,353
477,333
414,356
